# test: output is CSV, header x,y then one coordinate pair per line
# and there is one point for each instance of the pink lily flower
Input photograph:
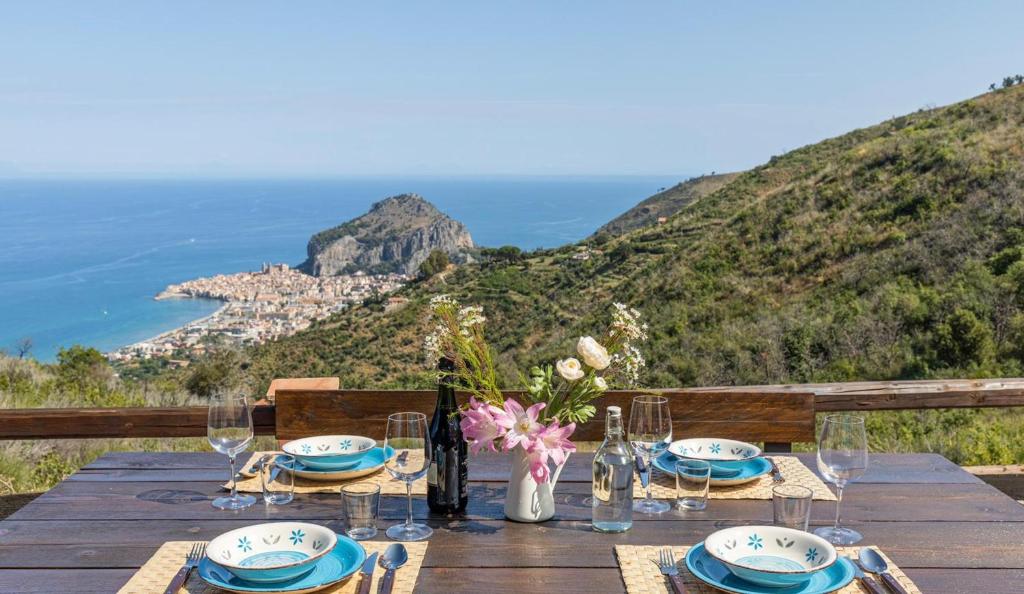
x,y
480,427
552,443
521,426
539,466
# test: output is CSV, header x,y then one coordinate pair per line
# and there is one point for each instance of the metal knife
x,y
367,574
869,582
643,471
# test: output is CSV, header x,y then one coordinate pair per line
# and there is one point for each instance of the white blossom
x,y
593,353
627,321
570,369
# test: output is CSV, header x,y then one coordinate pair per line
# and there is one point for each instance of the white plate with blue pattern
x,y
330,452
271,552
713,449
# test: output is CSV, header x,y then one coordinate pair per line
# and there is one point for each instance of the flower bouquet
x,y
557,397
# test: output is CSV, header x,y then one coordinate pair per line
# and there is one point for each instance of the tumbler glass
x,y
361,502
693,479
278,480
792,504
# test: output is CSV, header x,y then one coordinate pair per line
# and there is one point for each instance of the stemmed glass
x,y
842,458
407,435
229,429
650,432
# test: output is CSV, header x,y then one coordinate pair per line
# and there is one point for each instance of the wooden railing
x,y
903,395
73,423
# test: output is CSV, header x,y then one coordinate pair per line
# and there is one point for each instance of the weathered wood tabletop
x,y
949,531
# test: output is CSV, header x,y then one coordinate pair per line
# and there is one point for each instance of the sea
x,y
80,260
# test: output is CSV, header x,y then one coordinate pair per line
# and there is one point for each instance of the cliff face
x,y
396,235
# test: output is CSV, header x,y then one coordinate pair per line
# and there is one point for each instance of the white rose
x,y
570,369
593,353
600,384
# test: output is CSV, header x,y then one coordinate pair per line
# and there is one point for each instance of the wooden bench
x,y
776,419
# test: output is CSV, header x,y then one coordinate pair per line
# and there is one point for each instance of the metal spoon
x,y
873,562
394,557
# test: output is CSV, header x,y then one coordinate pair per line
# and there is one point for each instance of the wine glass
x,y
407,435
229,429
842,458
650,432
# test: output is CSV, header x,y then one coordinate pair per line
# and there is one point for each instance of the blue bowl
x,y
330,452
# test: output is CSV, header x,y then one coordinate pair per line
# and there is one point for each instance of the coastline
x,y
223,305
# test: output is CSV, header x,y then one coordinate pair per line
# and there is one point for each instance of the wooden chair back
x,y
774,418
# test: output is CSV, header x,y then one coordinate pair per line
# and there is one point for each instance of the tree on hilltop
x,y
436,262
24,347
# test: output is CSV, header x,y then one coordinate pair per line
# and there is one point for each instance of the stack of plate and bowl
x,y
768,560
280,557
336,457
732,462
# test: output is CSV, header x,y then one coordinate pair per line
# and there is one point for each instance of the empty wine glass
x,y
229,429
407,435
650,432
842,458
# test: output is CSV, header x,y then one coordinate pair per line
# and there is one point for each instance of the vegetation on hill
x,y
895,251
664,204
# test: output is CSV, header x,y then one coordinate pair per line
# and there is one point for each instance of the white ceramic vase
x,y
526,500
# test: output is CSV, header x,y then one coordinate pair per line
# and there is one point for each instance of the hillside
x,y
895,251
666,203
396,235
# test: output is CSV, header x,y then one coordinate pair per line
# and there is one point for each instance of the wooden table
x,y
947,529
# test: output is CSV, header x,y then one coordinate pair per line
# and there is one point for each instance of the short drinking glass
x,y
792,504
650,432
361,502
229,430
693,478
278,480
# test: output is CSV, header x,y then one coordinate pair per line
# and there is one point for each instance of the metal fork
x,y
191,561
667,565
776,473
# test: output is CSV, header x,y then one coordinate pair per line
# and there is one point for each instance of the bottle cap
x,y
615,410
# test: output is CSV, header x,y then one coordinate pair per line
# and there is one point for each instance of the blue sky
x,y
472,88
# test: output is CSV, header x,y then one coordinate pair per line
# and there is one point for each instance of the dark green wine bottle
x,y
449,471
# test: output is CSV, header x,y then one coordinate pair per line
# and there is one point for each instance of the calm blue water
x,y
81,260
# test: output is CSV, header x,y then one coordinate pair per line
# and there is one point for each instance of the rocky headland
x,y
395,236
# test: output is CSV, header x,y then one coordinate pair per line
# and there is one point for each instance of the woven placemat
x,y
663,486
643,577
156,574
250,483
